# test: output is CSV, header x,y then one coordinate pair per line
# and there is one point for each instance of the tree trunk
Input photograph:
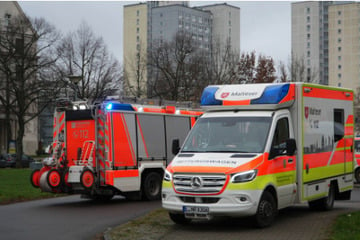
x,y
19,143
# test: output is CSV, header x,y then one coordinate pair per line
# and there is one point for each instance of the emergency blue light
x,y
119,106
208,97
272,94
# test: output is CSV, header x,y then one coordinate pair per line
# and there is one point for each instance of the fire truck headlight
x,y
243,176
167,176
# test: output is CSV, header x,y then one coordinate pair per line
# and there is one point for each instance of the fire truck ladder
x,y
100,123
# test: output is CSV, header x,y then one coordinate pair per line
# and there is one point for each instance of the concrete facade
x,y
10,10
344,45
226,24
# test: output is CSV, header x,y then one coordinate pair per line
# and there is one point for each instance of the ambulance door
x,y
283,165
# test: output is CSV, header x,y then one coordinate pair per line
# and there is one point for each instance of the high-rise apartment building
x,y
145,23
225,24
310,40
344,45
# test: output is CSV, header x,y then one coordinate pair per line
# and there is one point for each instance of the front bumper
x,y
229,203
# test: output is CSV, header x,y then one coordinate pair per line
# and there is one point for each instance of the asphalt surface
x,y
69,218
295,223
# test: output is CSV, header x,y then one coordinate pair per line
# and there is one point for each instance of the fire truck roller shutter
x,y
176,128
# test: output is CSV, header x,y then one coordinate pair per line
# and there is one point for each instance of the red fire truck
x,y
112,148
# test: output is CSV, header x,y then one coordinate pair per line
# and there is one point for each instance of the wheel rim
x,y
87,179
35,178
54,178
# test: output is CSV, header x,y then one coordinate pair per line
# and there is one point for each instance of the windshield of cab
x,y
228,134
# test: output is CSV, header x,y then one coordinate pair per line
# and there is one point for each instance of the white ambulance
x,y
260,148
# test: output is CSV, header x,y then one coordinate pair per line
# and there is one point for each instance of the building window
x,y
7,19
339,21
339,84
339,13
308,53
308,10
137,21
138,47
137,30
339,40
308,44
339,49
308,27
339,75
308,19
138,13
339,67
308,36
137,39
339,58
339,30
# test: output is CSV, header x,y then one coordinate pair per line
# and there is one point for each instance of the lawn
x,y
15,186
346,227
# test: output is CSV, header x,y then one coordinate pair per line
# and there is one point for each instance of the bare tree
x,y
136,75
26,58
223,64
85,55
284,77
177,68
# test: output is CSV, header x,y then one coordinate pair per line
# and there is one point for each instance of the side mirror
x,y
175,146
290,147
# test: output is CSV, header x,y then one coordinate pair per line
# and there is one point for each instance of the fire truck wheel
x,y
151,187
35,178
66,186
179,218
357,175
53,178
266,211
87,179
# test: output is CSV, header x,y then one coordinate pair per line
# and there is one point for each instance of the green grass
x,y
346,227
15,186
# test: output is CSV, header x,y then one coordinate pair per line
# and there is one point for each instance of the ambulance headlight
x,y
243,176
167,176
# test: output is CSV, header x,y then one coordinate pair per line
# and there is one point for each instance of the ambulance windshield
x,y
229,134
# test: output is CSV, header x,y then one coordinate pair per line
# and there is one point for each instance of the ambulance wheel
x,y
179,218
53,178
357,175
326,203
266,211
151,187
87,179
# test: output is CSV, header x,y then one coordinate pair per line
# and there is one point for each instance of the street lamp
x,y
75,80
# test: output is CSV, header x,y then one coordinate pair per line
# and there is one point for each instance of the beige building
x,y
344,45
9,10
135,49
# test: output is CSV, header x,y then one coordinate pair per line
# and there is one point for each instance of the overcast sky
x,y
264,26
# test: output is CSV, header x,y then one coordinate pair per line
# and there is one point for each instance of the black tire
x,y
179,218
326,203
151,186
357,175
266,211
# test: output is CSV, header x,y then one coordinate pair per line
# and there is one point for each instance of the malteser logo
x,y
312,111
225,95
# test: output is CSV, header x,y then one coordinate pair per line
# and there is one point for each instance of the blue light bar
x,y
272,94
208,97
119,106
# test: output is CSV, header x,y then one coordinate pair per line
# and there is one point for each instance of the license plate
x,y
195,210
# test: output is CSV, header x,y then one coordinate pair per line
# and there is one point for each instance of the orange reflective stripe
x,y
327,93
110,175
230,103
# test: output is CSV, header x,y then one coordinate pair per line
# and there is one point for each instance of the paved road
x,y
67,217
295,223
